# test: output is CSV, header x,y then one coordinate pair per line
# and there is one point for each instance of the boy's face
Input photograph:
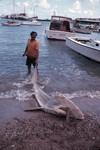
x,y
33,36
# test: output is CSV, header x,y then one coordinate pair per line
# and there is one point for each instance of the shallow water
x,y
61,70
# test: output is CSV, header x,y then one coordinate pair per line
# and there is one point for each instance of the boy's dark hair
x,y
33,33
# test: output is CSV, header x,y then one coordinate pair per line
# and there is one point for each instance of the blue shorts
x,y
30,61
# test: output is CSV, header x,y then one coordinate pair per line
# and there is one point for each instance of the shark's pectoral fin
x,y
33,109
68,113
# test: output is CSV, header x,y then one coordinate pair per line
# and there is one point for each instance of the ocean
x,y
61,70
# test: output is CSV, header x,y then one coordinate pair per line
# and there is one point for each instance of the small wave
x,y
19,85
81,93
21,90
20,95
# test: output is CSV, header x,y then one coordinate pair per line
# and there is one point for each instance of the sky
x,y
44,9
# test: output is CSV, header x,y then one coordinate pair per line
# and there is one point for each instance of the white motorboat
x,y
59,28
32,23
85,46
11,23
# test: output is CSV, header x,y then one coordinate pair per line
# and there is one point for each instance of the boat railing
x,y
89,42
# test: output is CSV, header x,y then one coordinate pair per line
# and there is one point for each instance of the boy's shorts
x,y
30,61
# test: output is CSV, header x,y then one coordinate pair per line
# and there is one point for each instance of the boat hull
x,y
89,51
10,24
82,31
58,35
31,23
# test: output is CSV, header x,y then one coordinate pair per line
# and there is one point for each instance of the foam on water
x,y
19,90
24,90
81,93
18,94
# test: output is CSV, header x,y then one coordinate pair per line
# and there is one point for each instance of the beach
x,y
37,130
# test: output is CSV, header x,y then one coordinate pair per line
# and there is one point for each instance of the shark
x,y
59,105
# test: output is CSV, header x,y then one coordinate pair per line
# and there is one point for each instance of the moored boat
x,y
11,23
82,31
59,28
87,47
32,23
22,16
87,21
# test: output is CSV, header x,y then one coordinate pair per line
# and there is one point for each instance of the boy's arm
x,y
25,51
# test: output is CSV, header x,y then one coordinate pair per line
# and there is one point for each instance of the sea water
x,y
61,70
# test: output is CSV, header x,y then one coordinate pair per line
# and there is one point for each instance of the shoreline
x,y
14,108
37,130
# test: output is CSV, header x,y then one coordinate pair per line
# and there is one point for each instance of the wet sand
x,y
14,108
38,130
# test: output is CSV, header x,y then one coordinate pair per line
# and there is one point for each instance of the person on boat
x,y
8,21
32,51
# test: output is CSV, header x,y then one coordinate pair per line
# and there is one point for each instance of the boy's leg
x,y
29,69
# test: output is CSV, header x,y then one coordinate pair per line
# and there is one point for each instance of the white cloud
x,y
94,1
86,8
88,13
26,4
76,7
58,0
92,8
44,4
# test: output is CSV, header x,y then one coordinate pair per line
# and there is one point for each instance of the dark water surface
x,y
61,70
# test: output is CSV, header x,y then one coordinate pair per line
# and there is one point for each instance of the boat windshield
x,y
55,26
60,25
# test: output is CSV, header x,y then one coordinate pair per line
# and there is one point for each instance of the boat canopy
x,y
60,18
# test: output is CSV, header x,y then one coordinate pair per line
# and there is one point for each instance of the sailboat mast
x,y
24,9
13,6
34,10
